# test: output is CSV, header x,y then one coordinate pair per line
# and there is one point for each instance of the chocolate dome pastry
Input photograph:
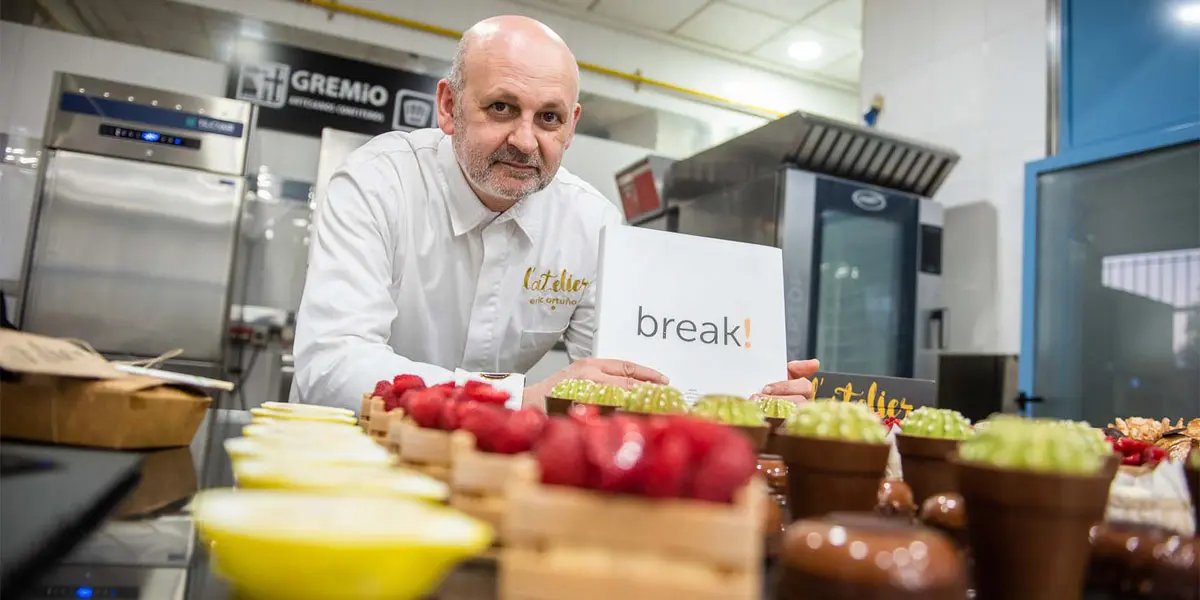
x,y
946,513
862,556
1139,561
896,500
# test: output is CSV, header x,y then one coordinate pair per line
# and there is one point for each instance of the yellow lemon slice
x,y
240,449
340,479
272,544
301,416
314,409
301,429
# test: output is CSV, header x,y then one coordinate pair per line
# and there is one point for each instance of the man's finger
x,y
624,368
798,369
617,380
792,387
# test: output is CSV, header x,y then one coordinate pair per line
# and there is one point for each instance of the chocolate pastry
x,y
862,556
946,513
1139,561
896,500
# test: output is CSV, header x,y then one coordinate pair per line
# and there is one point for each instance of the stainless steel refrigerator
x,y
850,207
136,219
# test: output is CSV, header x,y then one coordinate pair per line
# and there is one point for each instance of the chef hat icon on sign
x,y
414,110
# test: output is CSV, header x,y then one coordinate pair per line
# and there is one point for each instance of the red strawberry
x,y
1132,460
724,470
520,432
425,407
484,421
704,435
382,388
448,420
1153,455
408,382
665,470
615,447
484,392
560,454
889,422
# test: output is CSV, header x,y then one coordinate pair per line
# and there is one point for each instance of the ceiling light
x,y
1189,13
805,51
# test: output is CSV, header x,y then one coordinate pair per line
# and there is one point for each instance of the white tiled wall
x,y
970,75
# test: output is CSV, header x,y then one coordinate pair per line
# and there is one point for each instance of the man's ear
x,y
574,122
445,107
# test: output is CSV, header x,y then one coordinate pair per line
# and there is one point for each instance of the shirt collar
x,y
467,212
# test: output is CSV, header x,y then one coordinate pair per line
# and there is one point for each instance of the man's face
x,y
511,124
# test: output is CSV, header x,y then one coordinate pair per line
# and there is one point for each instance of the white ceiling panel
x,y
833,48
661,15
846,69
788,10
730,27
842,17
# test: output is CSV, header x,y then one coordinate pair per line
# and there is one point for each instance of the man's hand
x,y
798,388
606,371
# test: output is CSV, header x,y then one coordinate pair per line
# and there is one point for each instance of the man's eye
x,y
499,107
550,118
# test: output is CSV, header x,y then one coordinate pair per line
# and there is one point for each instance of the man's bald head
x,y
504,36
510,105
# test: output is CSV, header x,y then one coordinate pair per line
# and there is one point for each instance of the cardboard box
x,y
168,476
55,391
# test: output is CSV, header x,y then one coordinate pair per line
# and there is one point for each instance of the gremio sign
x,y
301,91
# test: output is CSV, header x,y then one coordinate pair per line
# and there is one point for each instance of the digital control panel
x,y
149,137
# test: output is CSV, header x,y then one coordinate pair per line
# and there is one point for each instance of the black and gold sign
x,y
887,396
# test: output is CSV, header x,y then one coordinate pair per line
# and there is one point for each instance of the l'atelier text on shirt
x,y
552,282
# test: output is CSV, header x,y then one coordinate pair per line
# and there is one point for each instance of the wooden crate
x,y
364,412
479,480
420,449
571,543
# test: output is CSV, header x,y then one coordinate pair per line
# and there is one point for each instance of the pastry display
x,y
484,453
734,411
1177,439
1132,561
854,556
1034,488
836,453
895,500
927,437
303,546
659,506
567,392
651,398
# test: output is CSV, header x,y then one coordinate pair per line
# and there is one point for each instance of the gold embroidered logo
x,y
552,288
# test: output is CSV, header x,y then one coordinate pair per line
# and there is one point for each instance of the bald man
x,y
465,248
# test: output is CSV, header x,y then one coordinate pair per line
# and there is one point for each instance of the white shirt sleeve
x,y
346,313
582,328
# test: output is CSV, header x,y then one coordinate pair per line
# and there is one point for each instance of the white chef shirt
x,y
410,273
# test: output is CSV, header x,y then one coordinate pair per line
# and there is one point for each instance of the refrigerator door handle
x,y
935,328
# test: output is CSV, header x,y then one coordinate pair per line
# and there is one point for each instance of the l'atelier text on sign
x,y
687,330
886,396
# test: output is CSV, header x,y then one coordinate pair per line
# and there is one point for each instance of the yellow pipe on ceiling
x,y
634,78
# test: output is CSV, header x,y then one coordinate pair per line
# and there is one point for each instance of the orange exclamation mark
x,y
746,324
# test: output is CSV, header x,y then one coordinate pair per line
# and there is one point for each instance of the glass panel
x,y
1118,288
858,308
